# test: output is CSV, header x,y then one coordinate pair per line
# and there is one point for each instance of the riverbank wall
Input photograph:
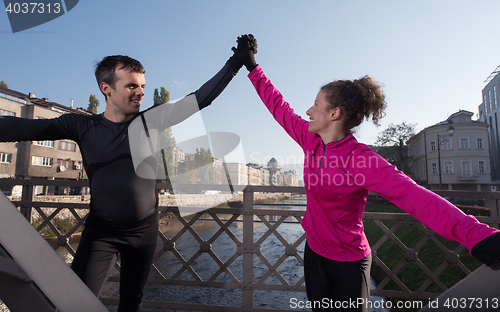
x,y
188,200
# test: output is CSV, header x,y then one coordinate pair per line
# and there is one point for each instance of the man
x,y
123,218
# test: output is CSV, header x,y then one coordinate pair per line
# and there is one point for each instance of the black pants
x,y
99,248
336,286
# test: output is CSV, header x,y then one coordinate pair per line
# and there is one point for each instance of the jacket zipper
x,y
321,160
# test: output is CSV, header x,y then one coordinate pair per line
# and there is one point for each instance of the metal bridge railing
x,y
255,271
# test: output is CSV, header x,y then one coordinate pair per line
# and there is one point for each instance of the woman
x,y
338,173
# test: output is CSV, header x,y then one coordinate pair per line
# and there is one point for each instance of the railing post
x,y
248,242
27,200
494,211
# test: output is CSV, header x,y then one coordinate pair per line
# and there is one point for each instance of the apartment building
x,y
276,174
238,173
257,175
49,159
254,174
453,154
290,178
489,110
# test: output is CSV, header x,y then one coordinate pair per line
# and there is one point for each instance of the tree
x,y
162,97
393,142
167,143
93,104
196,170
3,84
167,140
204,157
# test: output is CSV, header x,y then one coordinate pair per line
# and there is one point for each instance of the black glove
x,y
234,62
247,48
488,249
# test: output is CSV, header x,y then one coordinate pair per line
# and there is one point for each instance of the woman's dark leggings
x,y
337,286
97,253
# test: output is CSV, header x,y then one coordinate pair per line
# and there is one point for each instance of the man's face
x,y
125,98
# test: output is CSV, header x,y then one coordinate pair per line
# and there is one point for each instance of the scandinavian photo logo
x,y
150,147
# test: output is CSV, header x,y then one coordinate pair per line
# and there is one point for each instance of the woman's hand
x,y
247,48
488,249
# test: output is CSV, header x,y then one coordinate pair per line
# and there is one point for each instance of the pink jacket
x,y
338,176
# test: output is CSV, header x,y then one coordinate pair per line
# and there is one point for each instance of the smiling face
x,y
320,115
124,99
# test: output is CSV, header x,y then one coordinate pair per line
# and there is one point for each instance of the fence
x,y
247,247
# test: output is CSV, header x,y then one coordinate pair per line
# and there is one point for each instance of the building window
x,y
479,143
65,163
466,168
448,167
480,167
485,103
42,161
5,158
495,95
464,143
462,119
46,143
433,146
446,144
489,99
434,167
68,146
422,170
6,113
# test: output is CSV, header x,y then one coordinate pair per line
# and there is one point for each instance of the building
x,y
254,174
49,159
452,155
290,178
257,175
276,174
238,173
488,112
219,171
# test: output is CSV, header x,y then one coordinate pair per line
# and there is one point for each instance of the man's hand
x,y
247,48
488,249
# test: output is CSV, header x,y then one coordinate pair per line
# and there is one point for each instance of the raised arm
x,y
145,130
169,114
213,87
293,124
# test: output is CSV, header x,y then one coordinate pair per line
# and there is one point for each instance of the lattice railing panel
x,y
242,253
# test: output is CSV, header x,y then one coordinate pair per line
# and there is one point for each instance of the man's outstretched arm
x,y
211,89
14,129
170,114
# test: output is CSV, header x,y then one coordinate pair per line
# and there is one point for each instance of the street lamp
x,y
450,131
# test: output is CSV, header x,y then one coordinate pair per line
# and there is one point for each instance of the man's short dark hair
x,y
105,69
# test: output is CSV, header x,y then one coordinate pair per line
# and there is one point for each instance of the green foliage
x,y
198,168
93,104
167,142
395,133
3,84
162,97
201,158
392,145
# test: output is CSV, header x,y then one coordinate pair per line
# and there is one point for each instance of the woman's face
x,y
319,114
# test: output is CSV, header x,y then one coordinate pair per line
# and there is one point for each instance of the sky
x,y
431,56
